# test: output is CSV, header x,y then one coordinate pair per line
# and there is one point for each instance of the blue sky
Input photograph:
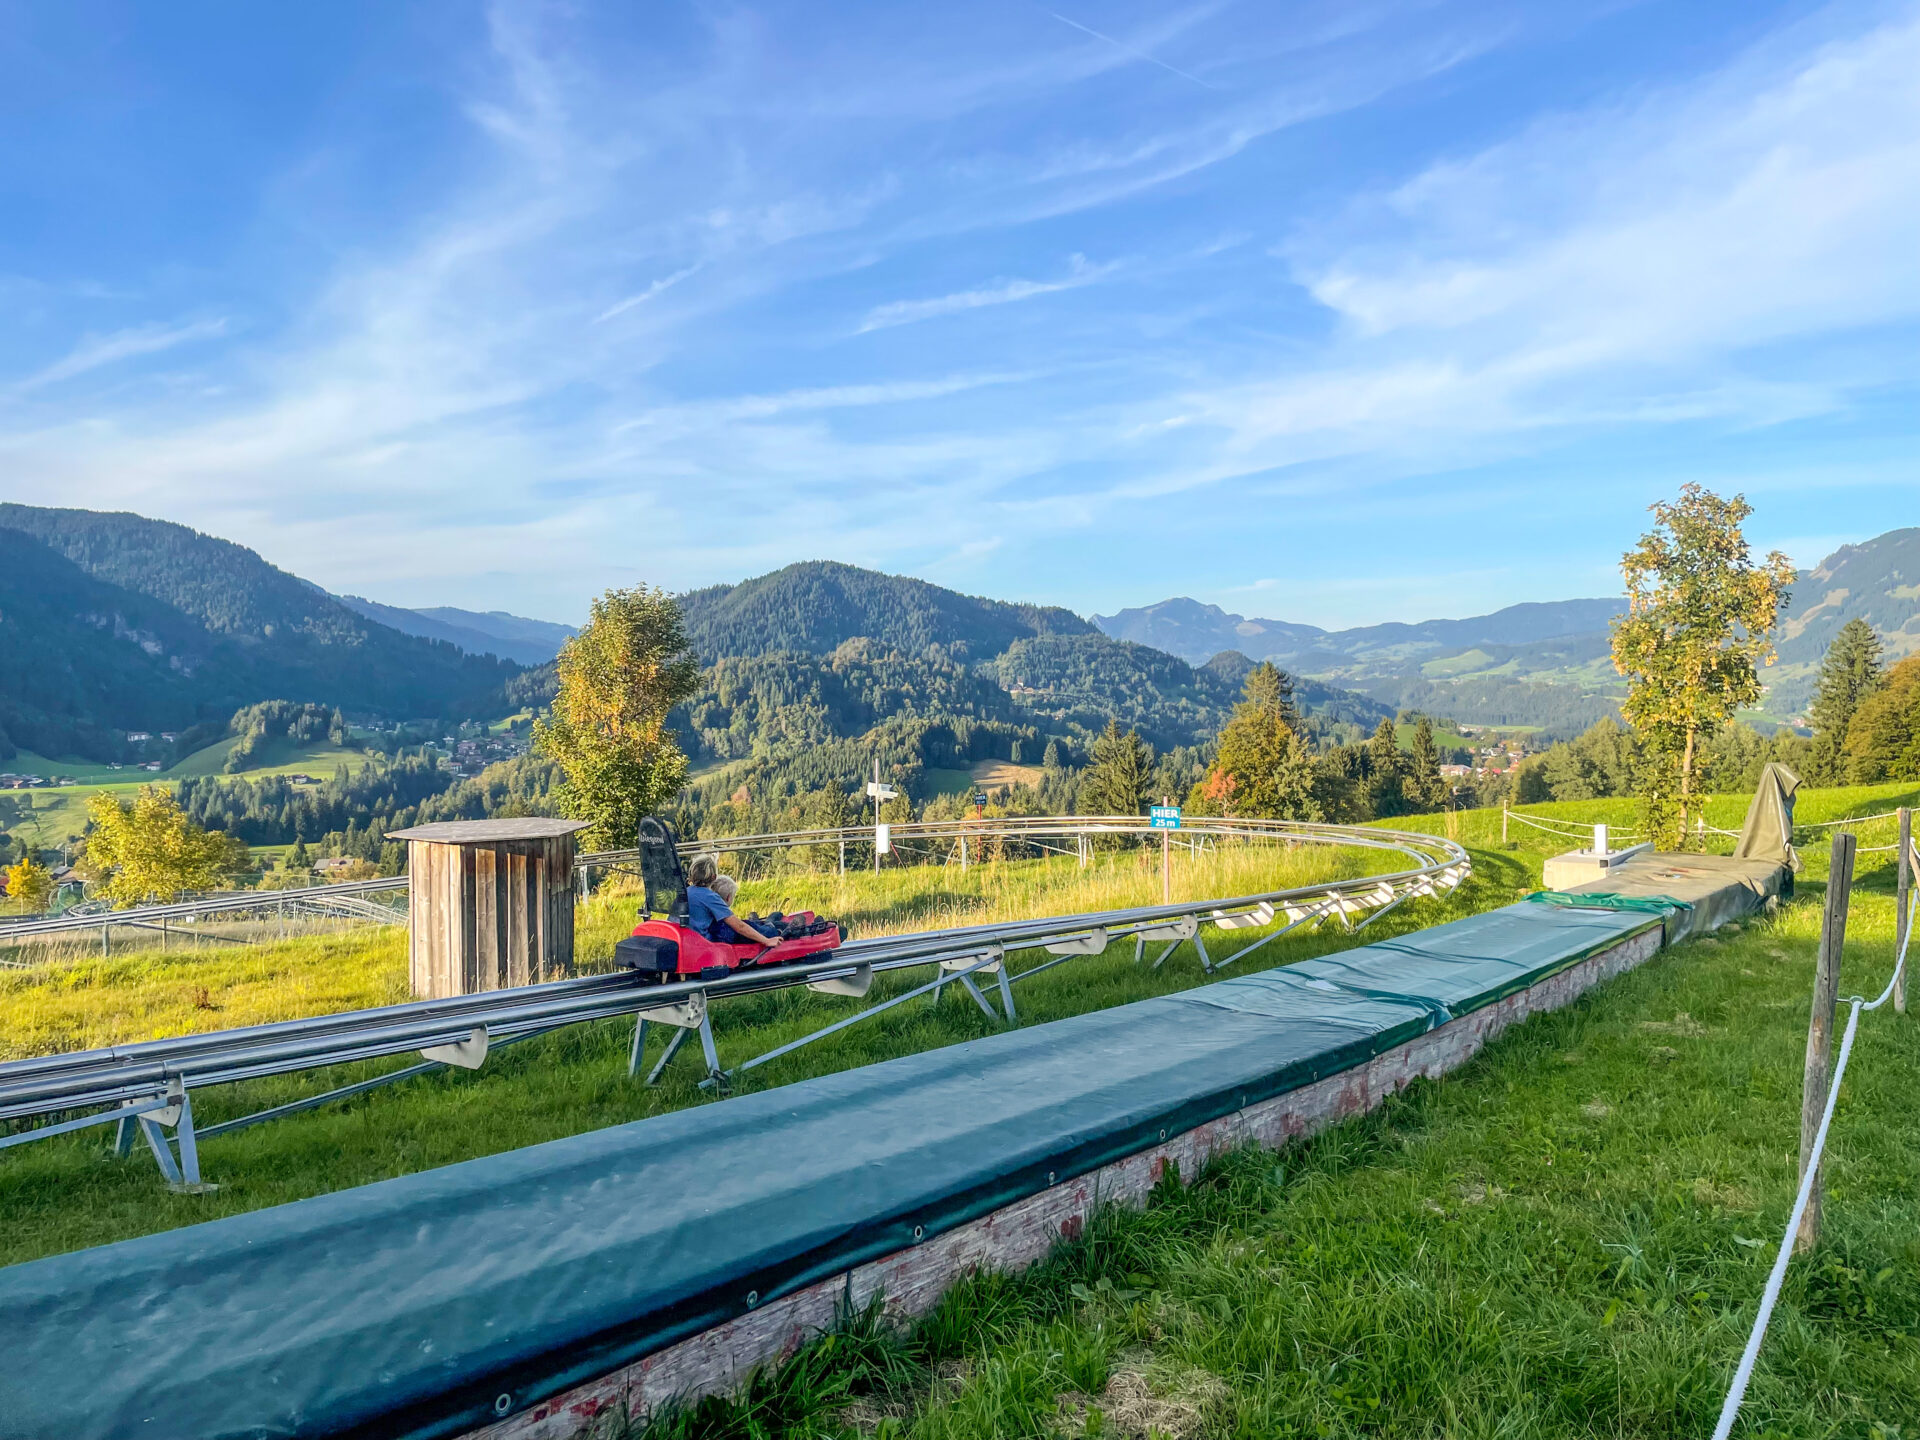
x,y
1333,312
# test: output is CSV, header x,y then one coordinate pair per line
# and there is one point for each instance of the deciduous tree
x,y
147,850
29,884
1700,616
617,680
1883,740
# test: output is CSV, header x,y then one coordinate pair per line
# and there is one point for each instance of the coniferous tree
x,y
1424,785
1850,673
1120,777
1262,768
1051,759
1386,771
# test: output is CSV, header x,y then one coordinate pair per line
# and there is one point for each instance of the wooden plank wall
x,y
489,917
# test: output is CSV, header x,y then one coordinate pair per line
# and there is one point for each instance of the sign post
x,y
1165,818
882,840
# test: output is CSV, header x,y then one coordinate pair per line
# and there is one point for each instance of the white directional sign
x,y
881,792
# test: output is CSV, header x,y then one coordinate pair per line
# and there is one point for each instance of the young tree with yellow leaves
x,y
29,885
148,851
1700,615
619,678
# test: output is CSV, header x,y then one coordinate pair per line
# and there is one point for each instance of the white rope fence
x,y
1771,1295
1567,828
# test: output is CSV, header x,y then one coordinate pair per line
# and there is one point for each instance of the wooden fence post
x,y
1902,902
1826,996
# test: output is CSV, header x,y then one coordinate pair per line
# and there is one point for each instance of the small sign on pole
x,y
881,793
883,839
1164,817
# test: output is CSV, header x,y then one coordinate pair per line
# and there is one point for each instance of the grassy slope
x,y
57,1195
1567,1237
1549,1243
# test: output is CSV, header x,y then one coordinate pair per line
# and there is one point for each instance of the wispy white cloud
x,y
1635,267
998,292
96,351
665,282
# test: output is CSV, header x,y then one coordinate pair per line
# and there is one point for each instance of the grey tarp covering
x,y
406,1307
1718,887
1767,833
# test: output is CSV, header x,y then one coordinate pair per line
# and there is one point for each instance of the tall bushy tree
x,y
148,850
1424,784
617,680
1119,777
1883,740
1386,771
1700,615
1596,764
1850,673
1261,767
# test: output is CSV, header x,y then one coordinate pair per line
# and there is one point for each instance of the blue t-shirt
x,y
707,914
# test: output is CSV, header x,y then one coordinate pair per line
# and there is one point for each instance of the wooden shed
x,y
490,904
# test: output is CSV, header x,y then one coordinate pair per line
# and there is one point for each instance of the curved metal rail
x,y
147,1084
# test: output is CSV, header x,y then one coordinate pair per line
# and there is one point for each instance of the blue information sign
x,y
1164,817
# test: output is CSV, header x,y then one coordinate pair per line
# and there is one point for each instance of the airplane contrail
x,y
1129,50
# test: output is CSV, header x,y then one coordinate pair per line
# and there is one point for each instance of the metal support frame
x,y
688,1016
175,1110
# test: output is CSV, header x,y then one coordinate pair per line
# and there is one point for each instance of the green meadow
x,y
1567,1237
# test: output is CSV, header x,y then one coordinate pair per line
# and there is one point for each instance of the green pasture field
x,y
1566,1237
48,817
64,1193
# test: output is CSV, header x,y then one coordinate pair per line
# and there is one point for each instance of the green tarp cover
x,y
409,1307
1767,834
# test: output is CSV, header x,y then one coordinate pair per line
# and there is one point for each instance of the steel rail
x,y
135,1074
236,903
1017,828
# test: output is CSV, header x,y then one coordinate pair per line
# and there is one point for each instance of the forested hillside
x,y
818,605
112,622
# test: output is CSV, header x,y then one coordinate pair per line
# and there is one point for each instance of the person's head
x,y
725,886
703,870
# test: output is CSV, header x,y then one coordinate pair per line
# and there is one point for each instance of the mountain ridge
x,y
494,632
112,622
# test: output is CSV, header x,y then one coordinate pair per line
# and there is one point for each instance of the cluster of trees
x,y
273,722
786,702
816,606
1264,764
347,813
1866,719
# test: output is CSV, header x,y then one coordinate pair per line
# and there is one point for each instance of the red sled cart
x,y
668,949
